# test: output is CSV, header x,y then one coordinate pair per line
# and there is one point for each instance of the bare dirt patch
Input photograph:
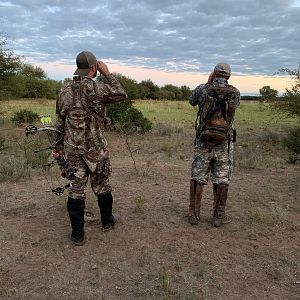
x,y
153,253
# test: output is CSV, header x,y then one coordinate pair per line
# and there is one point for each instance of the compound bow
x,y
54,136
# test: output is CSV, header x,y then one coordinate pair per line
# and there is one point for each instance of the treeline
x,y
147,90
21,86
21,80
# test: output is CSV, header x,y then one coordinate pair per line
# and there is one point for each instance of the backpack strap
x,y
77,92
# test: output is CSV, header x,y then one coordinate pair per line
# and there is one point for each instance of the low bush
x,y
24,116
292,142
127,118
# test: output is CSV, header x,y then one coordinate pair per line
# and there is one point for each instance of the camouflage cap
x,y
84,61
222,69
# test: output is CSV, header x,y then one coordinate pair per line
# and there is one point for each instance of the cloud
x,y
254,36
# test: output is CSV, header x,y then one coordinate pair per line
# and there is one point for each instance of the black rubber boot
x,y
105,202
76,214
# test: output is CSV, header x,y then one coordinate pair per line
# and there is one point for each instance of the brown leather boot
x,y
220,198
196,191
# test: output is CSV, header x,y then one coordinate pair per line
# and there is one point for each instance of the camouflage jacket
x,y
201,96
80,112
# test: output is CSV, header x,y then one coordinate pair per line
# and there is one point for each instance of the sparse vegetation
x,y
275,214
164,282
139,204
167,148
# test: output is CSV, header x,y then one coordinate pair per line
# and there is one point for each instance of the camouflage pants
x,y
214,163
79,170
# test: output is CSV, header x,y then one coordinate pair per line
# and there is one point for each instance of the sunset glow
x,y
247,84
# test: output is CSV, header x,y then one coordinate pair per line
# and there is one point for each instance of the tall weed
x,y
14,169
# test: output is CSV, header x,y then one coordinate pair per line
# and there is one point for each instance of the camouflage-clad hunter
x,y
80,112
213,152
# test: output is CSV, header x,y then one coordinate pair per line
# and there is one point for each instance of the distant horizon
x,y
247,84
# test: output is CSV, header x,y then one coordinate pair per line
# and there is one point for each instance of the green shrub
x,y
127,118
292,142
24,116
5,95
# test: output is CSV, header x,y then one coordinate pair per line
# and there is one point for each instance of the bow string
x,y
54,137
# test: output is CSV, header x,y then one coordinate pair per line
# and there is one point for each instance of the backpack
x,y
215,115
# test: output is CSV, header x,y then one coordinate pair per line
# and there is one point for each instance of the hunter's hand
x,y
57,153
102,68
211,77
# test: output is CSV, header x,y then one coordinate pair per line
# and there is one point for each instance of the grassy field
x,y
251,114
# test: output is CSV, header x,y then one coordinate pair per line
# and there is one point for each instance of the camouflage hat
x,y
84,61
222,69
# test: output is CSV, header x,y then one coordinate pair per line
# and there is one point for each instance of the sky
x,y
176,41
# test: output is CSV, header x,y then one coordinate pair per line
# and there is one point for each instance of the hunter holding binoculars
x,y
80,116
215,134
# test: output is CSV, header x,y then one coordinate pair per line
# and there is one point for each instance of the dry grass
x,y
14,169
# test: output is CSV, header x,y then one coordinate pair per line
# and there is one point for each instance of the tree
x,y
268,94
21,80
290,105
148,90
173,90
165,94
186,92
131,86
291,98
10,63
32,72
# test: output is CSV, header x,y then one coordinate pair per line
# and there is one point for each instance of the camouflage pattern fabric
x,y
213,162
202,97
80,114
79,172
